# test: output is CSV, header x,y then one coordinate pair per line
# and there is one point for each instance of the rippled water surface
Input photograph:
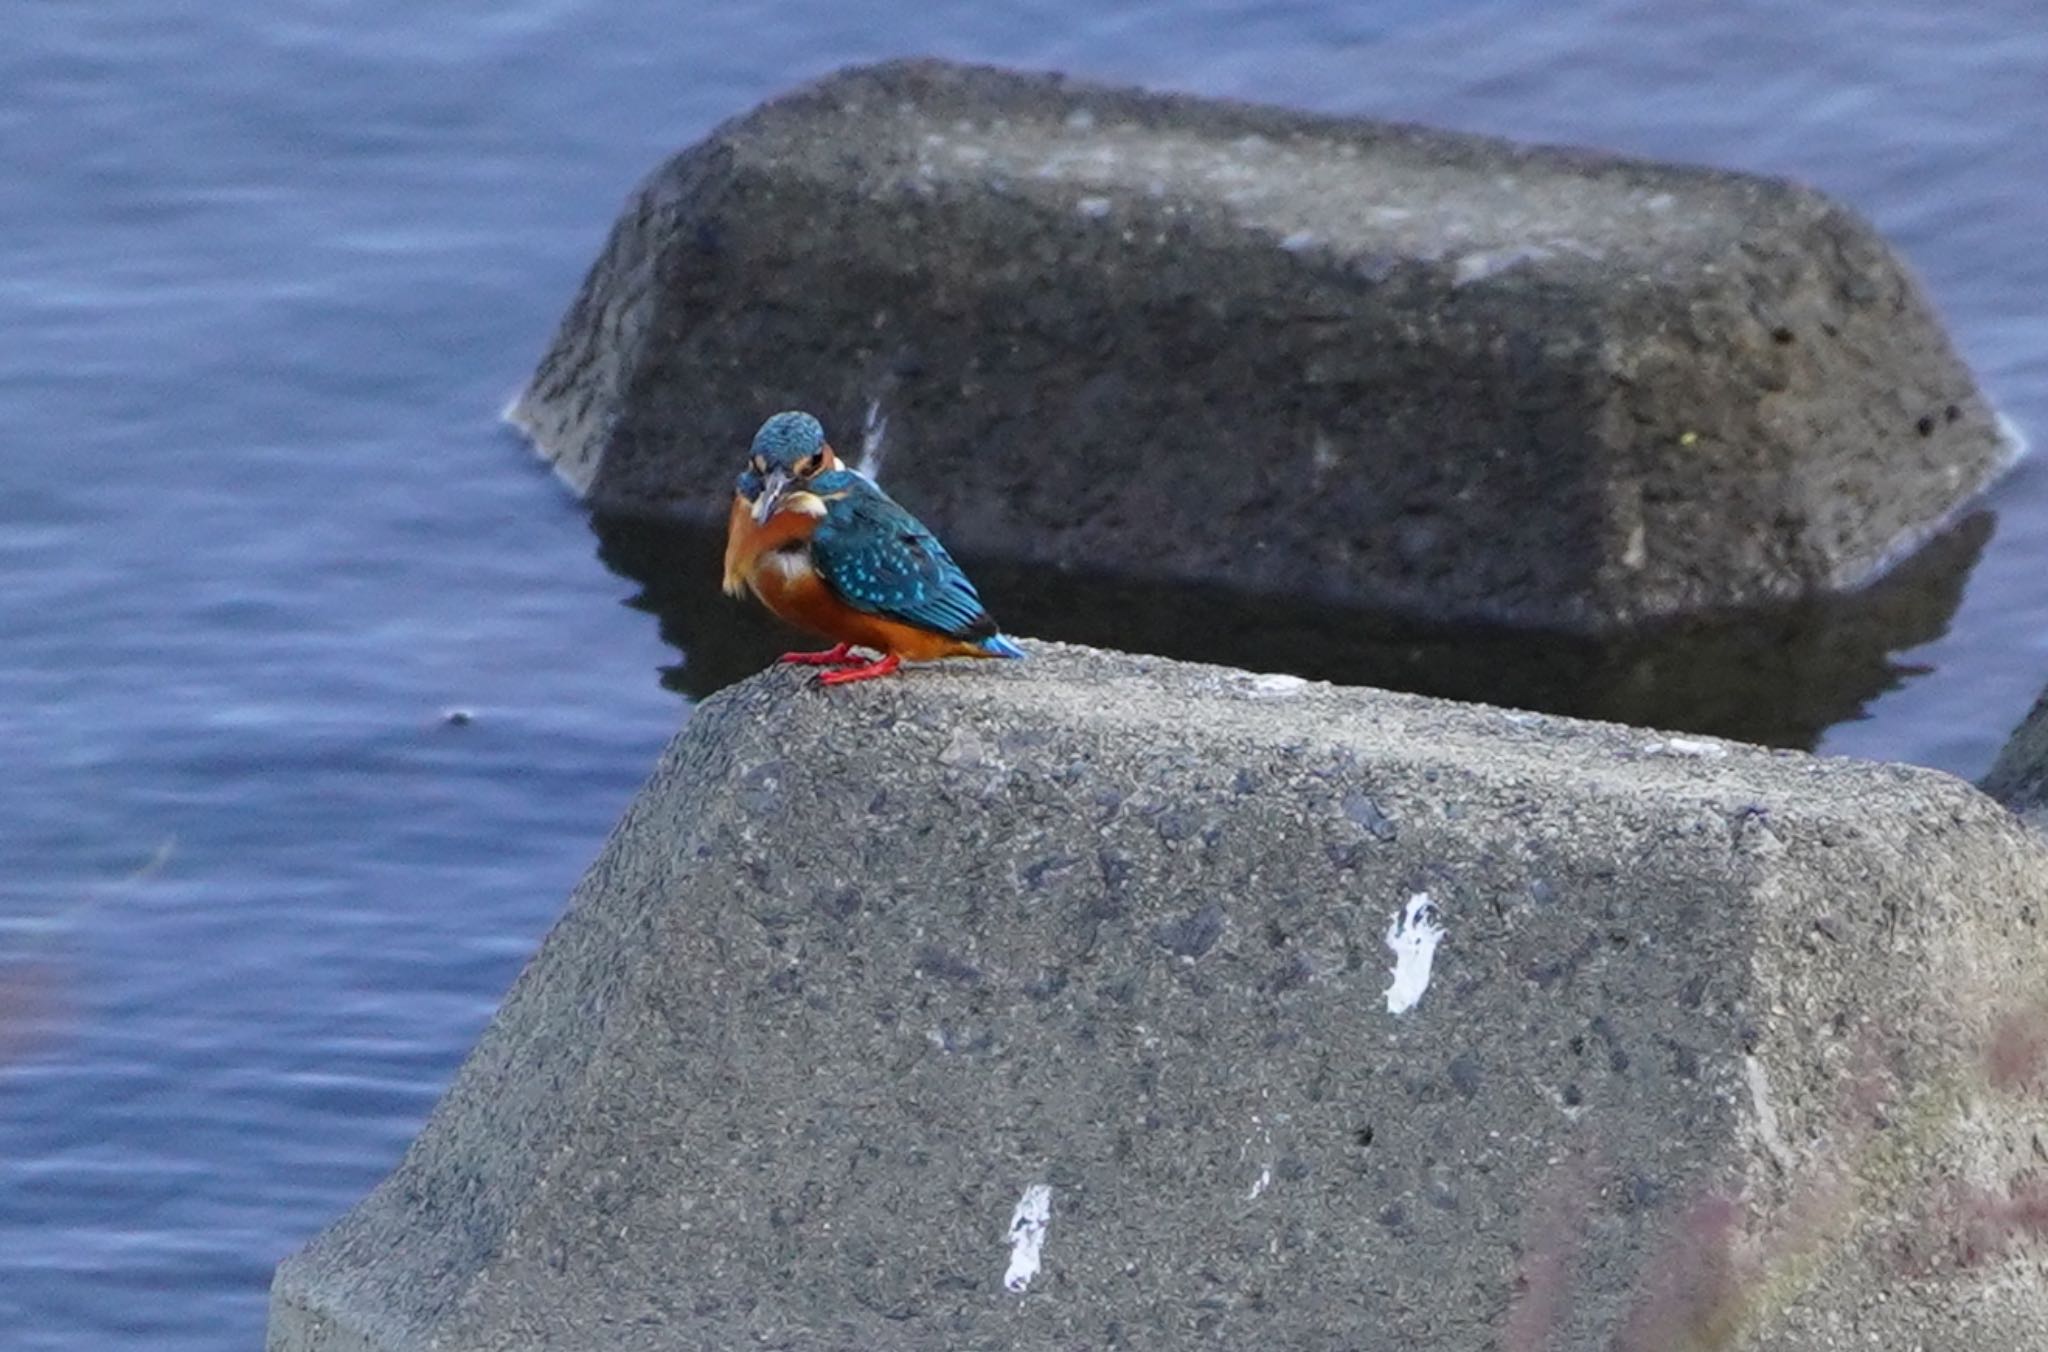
x,y
268,271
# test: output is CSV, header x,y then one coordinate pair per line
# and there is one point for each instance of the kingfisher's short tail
x,y
996,645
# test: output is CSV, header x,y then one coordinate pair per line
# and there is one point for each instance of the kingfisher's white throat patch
x,y
803,504
791,563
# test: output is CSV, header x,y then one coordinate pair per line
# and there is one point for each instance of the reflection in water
x,y
1779,676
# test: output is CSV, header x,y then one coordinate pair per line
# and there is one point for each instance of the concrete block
x,y
1103,1002
2019,777
1173,339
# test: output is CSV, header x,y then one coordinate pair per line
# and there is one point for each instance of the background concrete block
x,y
1174,339
2019,777
1103,1002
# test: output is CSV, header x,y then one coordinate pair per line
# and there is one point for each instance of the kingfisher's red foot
x,y
866,673
841,656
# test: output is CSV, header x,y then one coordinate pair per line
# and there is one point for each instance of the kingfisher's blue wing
x,y
881,559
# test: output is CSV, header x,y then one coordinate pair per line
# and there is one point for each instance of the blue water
x,y
267,273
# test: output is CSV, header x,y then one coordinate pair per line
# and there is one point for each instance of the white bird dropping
x,y
1027,1236
1413,937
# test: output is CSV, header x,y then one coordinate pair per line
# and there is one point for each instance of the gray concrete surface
x,y
2019,777
1169,338
860,969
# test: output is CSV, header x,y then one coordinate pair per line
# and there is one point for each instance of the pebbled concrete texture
x,y
2019,777
861,969
1174,339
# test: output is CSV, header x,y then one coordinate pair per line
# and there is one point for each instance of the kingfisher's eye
x,y
808,466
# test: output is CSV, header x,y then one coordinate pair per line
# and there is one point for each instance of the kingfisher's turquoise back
x,y
879,558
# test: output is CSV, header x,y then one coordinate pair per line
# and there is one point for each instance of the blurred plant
x,y
2017,1058
30,982
1698,1291
1958,1225
1726,1268
1556,1234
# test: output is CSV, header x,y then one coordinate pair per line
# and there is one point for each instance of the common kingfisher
x,y
827,550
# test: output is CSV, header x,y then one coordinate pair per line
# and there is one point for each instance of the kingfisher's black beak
x,y
772,490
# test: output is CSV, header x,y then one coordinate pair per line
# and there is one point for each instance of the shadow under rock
x,y
1779,675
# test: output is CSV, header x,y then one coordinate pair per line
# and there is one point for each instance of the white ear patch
x,y
803,504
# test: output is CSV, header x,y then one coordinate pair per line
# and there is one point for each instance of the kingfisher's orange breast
x,y
800,597
749,542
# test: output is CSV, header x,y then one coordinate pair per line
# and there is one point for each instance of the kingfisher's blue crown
x,y
787,438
